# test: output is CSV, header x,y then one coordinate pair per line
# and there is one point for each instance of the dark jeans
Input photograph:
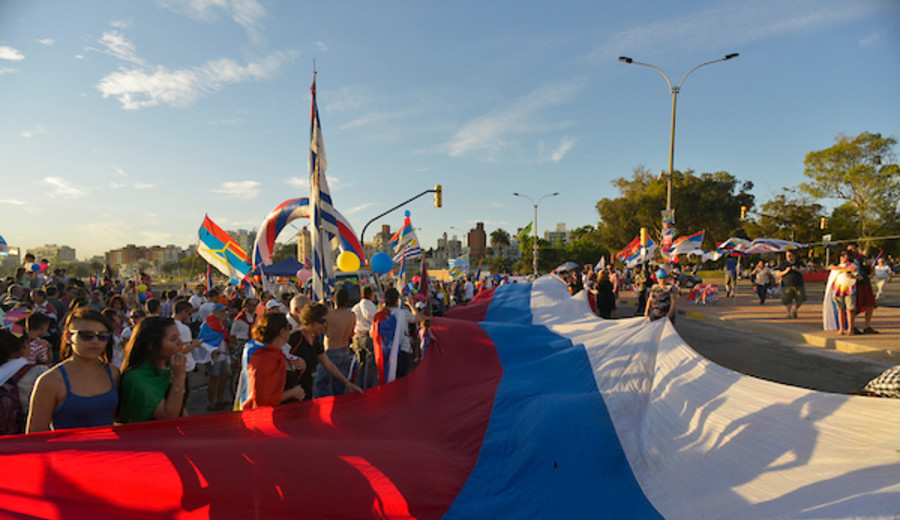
x,y
326,384
761,292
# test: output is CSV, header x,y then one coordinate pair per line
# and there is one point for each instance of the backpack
x,y
12,417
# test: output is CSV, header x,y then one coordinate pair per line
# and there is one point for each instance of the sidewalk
x,y
744,312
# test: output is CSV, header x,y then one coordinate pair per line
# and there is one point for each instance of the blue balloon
x,y
382,262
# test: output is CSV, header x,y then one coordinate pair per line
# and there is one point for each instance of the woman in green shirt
x,y
154,372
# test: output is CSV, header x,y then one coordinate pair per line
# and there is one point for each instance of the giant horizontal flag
x,y
221,251
530,406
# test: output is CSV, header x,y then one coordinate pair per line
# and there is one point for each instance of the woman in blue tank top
x,y
81,391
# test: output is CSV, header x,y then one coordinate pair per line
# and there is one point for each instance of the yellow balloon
x,y
142,288
348,261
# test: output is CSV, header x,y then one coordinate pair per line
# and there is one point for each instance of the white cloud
x,y
38,130
321,47
496,130
63,189
120,172
226,122
120,24
565,146
79,56
497,204
8,53
46,41
871,39
7,70
143,186
118,46
140,88
344,98
247,13
728,26
13,202
299,182
361,207
239,189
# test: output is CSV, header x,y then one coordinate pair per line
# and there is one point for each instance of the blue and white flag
x,y
324,220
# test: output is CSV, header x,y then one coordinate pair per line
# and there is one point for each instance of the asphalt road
x,y
777,359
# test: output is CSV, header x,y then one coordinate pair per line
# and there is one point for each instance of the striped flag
x,y
219,249
324,221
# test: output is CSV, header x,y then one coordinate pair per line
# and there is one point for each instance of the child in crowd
x,y
426,338
36,327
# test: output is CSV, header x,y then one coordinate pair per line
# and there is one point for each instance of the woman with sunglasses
x,y
154,372
81,391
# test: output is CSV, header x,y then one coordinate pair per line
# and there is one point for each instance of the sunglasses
x,y
89,335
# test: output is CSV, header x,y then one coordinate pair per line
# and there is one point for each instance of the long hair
x,y
269,326
85,314
145,342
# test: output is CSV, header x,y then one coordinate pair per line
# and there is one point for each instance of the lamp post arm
x,y
405,202
657,69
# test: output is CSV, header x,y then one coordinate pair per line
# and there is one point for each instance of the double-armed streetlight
x,y
535,223
675,89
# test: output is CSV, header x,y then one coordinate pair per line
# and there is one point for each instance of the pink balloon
x,y
303,275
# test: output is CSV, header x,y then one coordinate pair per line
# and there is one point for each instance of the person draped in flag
x,y
214,349
264,367
323,224
390,332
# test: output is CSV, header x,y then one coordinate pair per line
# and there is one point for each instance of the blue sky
x,y
126,122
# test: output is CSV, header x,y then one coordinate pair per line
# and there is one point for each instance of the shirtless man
x,y
338,334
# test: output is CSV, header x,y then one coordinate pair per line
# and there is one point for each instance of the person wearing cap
x,y
214,350
661,301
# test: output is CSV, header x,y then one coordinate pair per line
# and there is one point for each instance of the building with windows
x,y
156,255
53,253
558,236
477,242
446,249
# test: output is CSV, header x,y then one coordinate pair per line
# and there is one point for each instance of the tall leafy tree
x,y
709,201
499,240
862,171
789,216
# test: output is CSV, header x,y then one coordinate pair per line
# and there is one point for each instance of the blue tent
x,y
287,267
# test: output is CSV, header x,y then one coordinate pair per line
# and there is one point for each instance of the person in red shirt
x,y
264,367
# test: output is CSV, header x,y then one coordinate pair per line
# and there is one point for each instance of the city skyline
x,y
126,123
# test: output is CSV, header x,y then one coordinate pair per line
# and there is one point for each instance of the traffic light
x,y
743,212
823,223
438,199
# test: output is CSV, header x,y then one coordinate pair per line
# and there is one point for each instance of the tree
x,y
706,202
860,170
499,240
788,216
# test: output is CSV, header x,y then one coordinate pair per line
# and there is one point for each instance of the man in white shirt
x,y
206,310
468,290
365,311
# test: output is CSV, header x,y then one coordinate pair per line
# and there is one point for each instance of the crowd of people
x,y
107,351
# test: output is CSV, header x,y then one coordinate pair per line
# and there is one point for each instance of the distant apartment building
x,y
118,258
380,242
559,236
54,253
477,242
446,249
244,239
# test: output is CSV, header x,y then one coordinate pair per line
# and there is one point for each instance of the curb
x,y
813,340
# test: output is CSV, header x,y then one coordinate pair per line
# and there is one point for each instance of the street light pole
x,y
675,90
534,252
